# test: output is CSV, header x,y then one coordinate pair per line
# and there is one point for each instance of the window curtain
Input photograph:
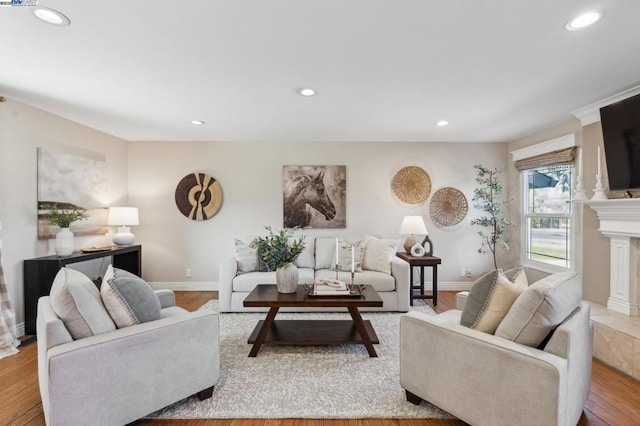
x,y
8,332
556,158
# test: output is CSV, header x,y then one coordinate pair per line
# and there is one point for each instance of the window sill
x,y
545,267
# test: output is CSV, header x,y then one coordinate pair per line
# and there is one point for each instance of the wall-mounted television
x,y
621,134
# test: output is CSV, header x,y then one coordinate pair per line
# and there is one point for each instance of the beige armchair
x,y
488,380
116,377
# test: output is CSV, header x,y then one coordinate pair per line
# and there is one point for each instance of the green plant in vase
x,y
278,250
63,219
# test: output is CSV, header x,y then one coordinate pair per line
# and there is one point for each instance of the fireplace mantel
x,y
620,221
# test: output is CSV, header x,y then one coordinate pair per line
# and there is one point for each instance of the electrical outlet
x,y
467,273
463,272
188,273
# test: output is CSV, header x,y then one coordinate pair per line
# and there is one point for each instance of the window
x,y
547,215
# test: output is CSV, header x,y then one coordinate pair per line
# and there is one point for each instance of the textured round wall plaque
x,y
198,196
412,185
448,207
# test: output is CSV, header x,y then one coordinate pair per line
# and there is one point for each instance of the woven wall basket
x,y
412,185
448,207
198,196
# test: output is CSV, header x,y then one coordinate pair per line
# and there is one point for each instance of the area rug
x,y
339,381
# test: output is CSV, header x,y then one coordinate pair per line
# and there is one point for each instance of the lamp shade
x,y
123,216
412,225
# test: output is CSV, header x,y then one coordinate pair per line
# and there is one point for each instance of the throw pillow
x,y
540,308
344,256
517,276
378,254
76,301
112,272
130,300
247,257
489,300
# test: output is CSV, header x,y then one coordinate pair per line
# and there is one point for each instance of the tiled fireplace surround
x,y
617,326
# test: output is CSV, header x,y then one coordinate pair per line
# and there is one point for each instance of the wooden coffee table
x,y
311,332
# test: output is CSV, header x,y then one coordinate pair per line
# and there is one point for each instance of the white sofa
x,y
314,265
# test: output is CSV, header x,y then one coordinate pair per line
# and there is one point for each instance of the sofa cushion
x,y
489,300
130,300
378,254
76,301
540,308
344,256
325,252
247,282
307,258
379,280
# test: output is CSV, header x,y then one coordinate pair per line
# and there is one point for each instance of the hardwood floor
x,y
614,398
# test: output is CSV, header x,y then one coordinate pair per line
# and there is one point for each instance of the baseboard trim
x,y
20,329
185,286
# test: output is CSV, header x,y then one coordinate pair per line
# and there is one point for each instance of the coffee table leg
x,y
357,319
266,326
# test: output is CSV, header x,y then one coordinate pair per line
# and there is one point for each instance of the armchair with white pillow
x,y
535,369
92,370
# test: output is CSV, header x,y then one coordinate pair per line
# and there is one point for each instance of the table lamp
x,y
410,226
123,217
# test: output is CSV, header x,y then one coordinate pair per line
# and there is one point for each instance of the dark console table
x,y
421,262
40,272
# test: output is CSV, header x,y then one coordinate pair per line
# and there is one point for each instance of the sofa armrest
x,y
167,298
481,378
227,272
124,365
400,272
461,300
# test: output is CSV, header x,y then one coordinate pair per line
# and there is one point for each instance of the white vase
x,y
287,278
64,242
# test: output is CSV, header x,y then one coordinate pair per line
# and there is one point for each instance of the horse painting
x,y
306,199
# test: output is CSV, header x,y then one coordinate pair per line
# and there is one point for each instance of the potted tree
x,y
63,219
486,197
278,250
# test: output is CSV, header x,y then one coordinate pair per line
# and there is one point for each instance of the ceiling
x,y
387,70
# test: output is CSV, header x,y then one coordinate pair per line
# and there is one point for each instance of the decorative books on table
x,y
333,288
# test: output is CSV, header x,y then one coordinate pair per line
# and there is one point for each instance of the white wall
x,y
22,130
251,178
145,174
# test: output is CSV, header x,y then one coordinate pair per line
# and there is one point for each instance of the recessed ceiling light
x,y
51,16
197,122
442,123
582,21
306,91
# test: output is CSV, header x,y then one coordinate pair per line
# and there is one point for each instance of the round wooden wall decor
x,y
448,207
412,185
198,196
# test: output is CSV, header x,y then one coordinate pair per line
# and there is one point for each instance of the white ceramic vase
x,y
287,278
64,242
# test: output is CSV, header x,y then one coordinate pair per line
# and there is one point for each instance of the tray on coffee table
x,y
355,290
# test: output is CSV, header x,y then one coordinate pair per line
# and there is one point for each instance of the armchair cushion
x,y
488,302
76,301
540,308
130,300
